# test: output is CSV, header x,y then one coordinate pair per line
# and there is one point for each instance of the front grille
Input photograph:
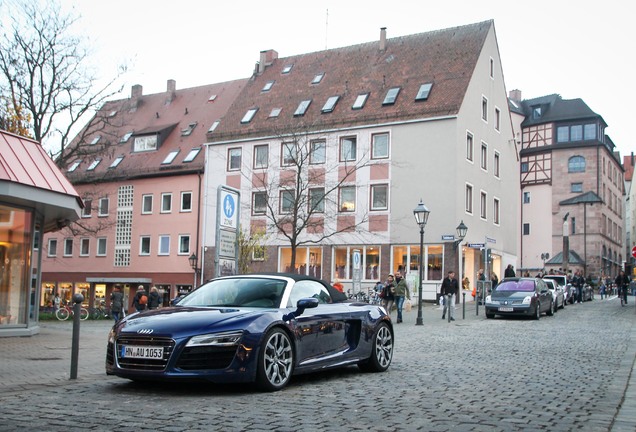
x,y
145,364
206,357
109,354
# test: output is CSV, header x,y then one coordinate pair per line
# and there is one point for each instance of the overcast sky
x,y
582,49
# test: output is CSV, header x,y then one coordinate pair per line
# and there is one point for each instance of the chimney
x,y
266,59
136,91
382,38
170,90
515,95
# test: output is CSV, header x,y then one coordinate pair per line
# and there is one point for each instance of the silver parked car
x,y
558,293
520,296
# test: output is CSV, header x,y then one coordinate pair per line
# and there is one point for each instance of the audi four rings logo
x,y
145,331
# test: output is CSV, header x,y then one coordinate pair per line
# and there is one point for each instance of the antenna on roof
x,y
326,28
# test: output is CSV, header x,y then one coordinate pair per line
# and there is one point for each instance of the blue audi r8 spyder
x,y
260,328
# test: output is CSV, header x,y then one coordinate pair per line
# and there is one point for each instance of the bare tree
x,y
302,202
250,246
45,70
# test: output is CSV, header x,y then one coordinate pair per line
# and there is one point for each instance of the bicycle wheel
x,y
62,314
83,314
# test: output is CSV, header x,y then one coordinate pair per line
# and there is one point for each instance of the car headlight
x,y
111,336
216,339
527,300
488,299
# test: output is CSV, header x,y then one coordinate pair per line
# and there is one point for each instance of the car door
x,y
321,331
545,296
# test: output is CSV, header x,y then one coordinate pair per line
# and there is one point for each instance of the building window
x,y
261,156
85,248
275,112
361,99
379,197
74,166
573,225
495,211
484,108
52,252
330,105
186,201
318,152
192,154
492,68
483,213
496,163
391,96
536,112
101,246
164,245
526,229
408,257
166,202
93,165
288,154
497,119
576,187
86,211
563,134
576,164
469,199
249,115
317,200
576,133
268,86
126,137
234,159
380,146
144,245
259,203
302,108
68,247
146,204
308,261
348,149
145,143
103,207
526,197
215,124
484,156
589,132
170,158
347,199
258,253
286,201
317,78
469,146
525,167
287,69
184,244
423,92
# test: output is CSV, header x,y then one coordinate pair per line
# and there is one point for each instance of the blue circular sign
x,y
229,206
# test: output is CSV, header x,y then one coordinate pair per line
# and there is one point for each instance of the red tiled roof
x,y
628,165
446,58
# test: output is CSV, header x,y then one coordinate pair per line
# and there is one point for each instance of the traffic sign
x,y
634,251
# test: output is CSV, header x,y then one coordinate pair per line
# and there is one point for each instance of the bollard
x,y
77,306
448,306
463,305
477,304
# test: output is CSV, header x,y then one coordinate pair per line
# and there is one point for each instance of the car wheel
x,y
381,351
490,315
551,310
275,361
537,311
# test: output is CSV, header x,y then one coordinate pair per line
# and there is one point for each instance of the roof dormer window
x,y
536,112
249,115
302,108
317,78
391,96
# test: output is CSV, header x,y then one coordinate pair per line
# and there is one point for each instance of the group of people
x,y
141,301
394,292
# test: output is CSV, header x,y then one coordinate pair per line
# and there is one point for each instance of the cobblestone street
x,y
562,373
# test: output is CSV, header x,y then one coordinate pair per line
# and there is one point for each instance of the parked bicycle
x,y
100,312
66,311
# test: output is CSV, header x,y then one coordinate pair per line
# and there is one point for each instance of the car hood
x,y
176,321
510,294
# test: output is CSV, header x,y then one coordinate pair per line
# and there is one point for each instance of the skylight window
x,y
96,140
168,160
112,113
360,101
249,115
116,162
214,126
125,137
74,166
287,69
391,96
423,92
275,112
268,86
302,108
188,131
212,98
93,165
330,104
192,154
317,78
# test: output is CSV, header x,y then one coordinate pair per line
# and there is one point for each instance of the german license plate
x,y
143,352
506,309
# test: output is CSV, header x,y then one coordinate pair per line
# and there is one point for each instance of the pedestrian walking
x,y
154,299
510,271
56,302
577,282
140,301
450,287
401,292
602,288
116,303
389,294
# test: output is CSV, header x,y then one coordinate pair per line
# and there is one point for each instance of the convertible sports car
x,y
260,328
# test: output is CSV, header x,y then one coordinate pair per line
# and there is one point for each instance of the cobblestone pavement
x,y
562,373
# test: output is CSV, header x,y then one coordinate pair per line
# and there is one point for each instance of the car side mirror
x,y
301,305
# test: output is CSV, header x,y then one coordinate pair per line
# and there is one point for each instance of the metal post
x,y
419,320
77,307
463,305
449,297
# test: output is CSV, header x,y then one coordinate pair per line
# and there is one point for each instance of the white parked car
x,y
558,293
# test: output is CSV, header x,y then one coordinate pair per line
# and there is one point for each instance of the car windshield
x,y
235,292
513,285
558,279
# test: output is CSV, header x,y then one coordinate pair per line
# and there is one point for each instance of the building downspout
x,y
201,256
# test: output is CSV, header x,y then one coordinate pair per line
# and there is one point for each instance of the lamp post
x,y
545,256
461,229
193,263
421,217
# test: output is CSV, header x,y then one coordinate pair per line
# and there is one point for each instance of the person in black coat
x,y
450,287
622,282
510,271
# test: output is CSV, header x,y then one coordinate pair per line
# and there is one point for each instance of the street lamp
x,y
461,233
545,256
193,263
421,217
